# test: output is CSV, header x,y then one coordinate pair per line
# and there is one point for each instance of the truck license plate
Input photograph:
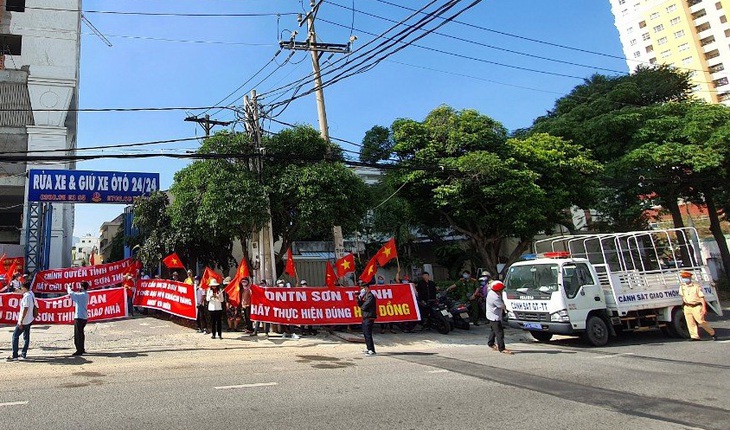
x,y
532,326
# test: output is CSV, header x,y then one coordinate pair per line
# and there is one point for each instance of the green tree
x,y
310,188
377,145
462,172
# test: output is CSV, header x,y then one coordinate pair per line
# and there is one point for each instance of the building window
x,y
11,44
717,68
666,53
671,8
707,40
727,33
649,49
654,15
645,36
630,30
662,40
724,97
683,47
699,14
658,28
652,60
720,82
678,34
687,60
718,5
637,54
633,42
642,24
703,27
691,3
625,12
15,5
712,54
723,19
621,1
674,21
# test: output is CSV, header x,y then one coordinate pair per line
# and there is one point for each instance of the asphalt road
x,y
150,374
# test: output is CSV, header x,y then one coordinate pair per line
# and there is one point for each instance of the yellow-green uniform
x,y
693,299
463,292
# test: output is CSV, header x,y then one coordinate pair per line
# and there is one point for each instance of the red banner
x,y
19,264
103,305
176,298
99,276
331,306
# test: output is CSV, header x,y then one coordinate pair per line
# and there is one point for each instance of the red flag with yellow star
x,y
290,268
345,265
330,277
172,261
209,275
370,270
234,288
387,253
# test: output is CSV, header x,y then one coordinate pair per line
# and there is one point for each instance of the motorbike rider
x,y
462,291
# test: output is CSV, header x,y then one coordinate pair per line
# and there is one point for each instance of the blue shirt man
x,y
80,300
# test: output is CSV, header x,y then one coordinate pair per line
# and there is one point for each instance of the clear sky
x,y
141,72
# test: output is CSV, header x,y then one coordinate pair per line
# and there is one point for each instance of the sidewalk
x,y
144,332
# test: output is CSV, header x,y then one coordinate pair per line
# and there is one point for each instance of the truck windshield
x,y
541,278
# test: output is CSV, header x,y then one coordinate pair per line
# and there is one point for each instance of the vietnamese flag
x,y
11,271
234,288
387,253
330,277
209,275
370,270
345,265
172,261
290,269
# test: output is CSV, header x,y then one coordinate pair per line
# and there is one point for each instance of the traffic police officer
x,y
695,306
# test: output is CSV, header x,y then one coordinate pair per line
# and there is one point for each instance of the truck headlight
x,y
511,315
560,316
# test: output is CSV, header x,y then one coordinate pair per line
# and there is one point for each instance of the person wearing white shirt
x,y
25,320
215,307
80,300
200,302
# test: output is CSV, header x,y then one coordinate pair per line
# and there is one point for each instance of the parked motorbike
x,y
459,312
439,316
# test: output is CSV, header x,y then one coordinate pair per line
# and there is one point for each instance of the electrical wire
x,y
94,148
166,14
486,45
138,109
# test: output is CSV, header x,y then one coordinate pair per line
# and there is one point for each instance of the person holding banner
x,y
25,320
215,308
368,304
81,316
201,304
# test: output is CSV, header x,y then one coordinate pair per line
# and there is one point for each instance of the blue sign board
x,y
82,186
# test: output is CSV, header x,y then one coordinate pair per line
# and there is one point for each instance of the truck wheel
x,y
596,331
541,336
678,326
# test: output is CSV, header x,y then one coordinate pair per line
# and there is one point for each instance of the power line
x,y
94,148
139,109
376,55
486,45
167,14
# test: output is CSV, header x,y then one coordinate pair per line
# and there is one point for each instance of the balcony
x,y
712,54
716,68
717,83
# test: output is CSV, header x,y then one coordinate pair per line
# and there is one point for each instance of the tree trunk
x,y
673,206
717,231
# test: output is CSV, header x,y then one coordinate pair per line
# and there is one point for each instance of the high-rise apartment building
x,y
40,48
692,35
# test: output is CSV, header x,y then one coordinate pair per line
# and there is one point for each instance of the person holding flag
x,y
345,265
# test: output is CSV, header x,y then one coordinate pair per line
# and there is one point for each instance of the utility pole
x,y
263,247
316,48
207,123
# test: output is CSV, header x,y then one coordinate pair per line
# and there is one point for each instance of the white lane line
x,y
437,371
723,341
613,355
25,402
160,326
260,384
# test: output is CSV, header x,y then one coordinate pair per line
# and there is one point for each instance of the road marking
x,y
613,355
160,326
25,402
437,371
260,384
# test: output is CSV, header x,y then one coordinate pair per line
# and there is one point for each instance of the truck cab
x,y
552,295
